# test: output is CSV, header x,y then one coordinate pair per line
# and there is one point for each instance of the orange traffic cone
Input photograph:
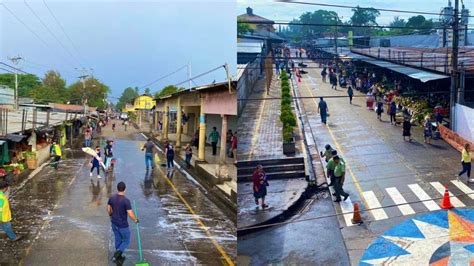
x,y
446,204
356,219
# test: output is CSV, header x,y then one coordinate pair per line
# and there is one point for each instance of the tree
x,y
95,92
52,89
127,97
26,82
170,89
147,91
364,17
304,28
243,28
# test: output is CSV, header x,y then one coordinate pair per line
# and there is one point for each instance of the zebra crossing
x,y
428,197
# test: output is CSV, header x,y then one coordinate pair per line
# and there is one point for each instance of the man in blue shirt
x,y
119,208
323,110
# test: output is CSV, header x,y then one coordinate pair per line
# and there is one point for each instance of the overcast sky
x,y
126,42
287,11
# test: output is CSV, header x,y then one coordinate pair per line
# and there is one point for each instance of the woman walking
x,y
189,154
350,92
260,184
406,129
393,113
169,150
427,131
466,162
96,163
379,109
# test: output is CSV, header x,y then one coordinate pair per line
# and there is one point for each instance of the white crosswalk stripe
x,y
421,194
454,200
464,188
347,208
404,208
373,203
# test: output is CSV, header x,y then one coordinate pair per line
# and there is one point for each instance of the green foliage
x,y
287,117
95,92
127,97
132,116
170,89
26,83
147,91
243,28
364,17
413,25
53,89
323,17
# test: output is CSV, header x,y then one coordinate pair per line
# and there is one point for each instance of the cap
x,y
327,146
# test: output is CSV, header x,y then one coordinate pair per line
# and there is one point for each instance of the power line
x,y
354,7
163,77
62,29
14,68
50,31
200,75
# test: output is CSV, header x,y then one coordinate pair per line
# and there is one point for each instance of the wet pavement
x,y
63,214
382,169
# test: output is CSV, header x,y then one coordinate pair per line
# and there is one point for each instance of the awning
x,y
14,137
422,75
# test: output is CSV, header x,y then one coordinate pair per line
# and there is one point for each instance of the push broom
x,y
142,262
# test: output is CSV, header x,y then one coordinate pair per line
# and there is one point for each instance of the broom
x,y
142,262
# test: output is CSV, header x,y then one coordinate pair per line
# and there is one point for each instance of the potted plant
x,y
31,159
287,117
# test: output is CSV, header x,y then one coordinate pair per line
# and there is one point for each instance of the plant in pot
x,y
31,159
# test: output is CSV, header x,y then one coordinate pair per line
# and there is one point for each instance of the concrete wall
x,y
221,103
246,82
465,122
216,121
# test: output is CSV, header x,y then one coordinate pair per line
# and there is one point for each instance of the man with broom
x,y
119,209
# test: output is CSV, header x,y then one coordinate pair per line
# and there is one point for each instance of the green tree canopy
x,y
147,91
94,91
170,89
127,96
26,82
298,30
53,89
243,28
364,17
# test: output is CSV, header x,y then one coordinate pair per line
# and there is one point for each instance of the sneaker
x,y
117,255
90,174
99,177
345,197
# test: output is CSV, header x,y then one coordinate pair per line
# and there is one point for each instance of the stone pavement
x,y
382,169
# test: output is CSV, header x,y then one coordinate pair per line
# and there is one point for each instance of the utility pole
x,y
335,35
229,78
83,80
454,64
15,61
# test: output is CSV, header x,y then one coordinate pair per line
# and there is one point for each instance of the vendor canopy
x,y
422,75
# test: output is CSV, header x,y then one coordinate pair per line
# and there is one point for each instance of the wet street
x,y
63,214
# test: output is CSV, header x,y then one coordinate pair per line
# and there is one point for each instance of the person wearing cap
x,y
327,153
119,209
5,213
339,176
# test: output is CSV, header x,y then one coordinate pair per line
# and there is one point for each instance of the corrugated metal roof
x,y
254,47
422,75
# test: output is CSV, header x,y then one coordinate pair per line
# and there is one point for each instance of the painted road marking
x,y
400,201
454,200
347,208
421,194
464,188
373,203
339,149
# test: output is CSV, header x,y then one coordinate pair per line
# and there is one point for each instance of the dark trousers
x,y
392,118
56,161
214,148
188,159
350,98
466,168
169,160
338,188
98,169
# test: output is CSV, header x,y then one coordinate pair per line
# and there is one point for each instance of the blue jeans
x,y
7,227
188,159
466,168
149,160
169,160
88,142
122,237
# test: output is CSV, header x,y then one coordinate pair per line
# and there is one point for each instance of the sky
x,y
279,11
125,42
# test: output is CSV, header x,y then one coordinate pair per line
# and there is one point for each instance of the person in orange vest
x,y
6,214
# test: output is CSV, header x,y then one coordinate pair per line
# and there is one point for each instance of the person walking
x,y
330,166
6,214
466,162
350,92
113,127
260,184
88,137
379,109
169,150
118,208
56,154
323,75
427,130
96,163
323,110
407,129
214,137
149,149
339,176
189,154
327,153
108,154
393,113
